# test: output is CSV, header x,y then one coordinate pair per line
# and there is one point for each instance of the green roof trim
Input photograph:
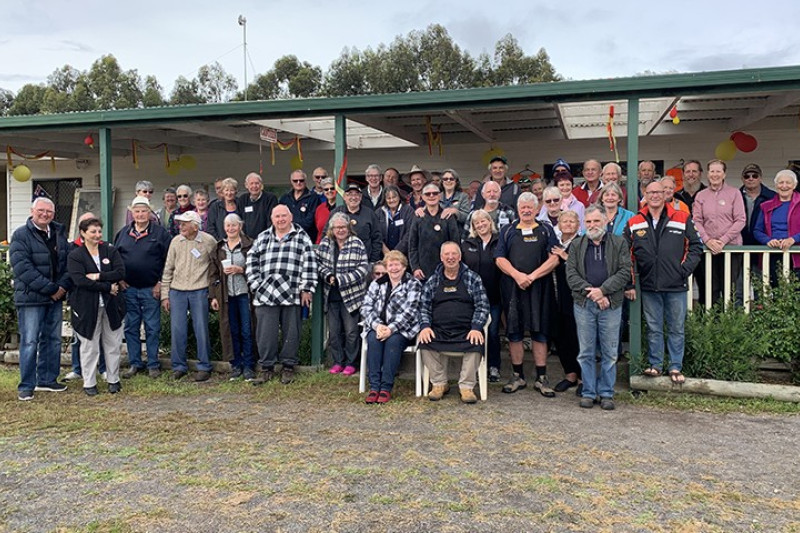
x,y
728,81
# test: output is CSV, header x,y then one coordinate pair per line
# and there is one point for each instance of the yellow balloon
x,y
676,121
296,163
173,168
188,162
726,150
21,173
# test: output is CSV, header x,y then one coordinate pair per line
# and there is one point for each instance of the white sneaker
x,y
104,376
72,376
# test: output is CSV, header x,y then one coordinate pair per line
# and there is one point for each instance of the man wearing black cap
x,y
754,193
363,219
509,190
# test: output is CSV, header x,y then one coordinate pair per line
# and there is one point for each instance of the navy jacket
x,y
303,210
34,281
144,258
763,196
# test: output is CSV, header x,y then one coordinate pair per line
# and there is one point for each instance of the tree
x,y
346,75
513,67
28,100
153,93
6,101
112,87
214,84
185,92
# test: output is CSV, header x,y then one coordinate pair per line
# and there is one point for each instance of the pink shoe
x,y
336,369
349,370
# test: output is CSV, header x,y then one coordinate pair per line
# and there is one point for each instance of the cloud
x,y
70,46
729,60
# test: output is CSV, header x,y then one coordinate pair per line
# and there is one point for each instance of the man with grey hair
x,y
302,203
509,190
255,207
319,174
373,192
598,272
38,254
501,213
525,254
646,174
591,186
184,290
144,189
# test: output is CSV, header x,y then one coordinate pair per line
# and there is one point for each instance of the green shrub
x,y
721,344
776,316
8,313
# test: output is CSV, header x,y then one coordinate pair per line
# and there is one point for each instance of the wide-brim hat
x,y
416,170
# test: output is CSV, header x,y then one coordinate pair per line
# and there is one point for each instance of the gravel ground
x,y
312,457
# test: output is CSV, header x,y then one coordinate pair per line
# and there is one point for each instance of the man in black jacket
x,y
39,259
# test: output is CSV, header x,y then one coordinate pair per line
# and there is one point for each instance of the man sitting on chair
x,y
453,310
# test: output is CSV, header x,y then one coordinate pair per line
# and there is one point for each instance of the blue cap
x,y
561,163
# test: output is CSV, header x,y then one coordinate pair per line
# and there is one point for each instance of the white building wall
x,y
775,149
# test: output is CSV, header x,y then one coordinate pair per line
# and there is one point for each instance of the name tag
x,y
527,232
399,222
449,289
196,253
530,238
248,209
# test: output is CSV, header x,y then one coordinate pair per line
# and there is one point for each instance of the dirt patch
x,y
313,457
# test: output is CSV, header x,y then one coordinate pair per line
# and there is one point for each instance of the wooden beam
x,y
731,389
387,125
468,120
657,122
220,132
772,104
560,115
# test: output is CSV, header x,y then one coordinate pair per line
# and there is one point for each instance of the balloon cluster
x,y
673,114
738,141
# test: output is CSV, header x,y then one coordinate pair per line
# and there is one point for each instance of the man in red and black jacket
x,y
665,249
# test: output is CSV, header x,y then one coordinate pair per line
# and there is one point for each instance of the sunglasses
x,y
182,196
320,177
552,201
148,191
448,179
298,181
329,189
430,193
751,175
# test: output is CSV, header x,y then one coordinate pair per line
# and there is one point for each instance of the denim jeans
x,y
196,303
343,325
493,342
76,356
656,307
241,332
383,360
597,326
142,307
39,344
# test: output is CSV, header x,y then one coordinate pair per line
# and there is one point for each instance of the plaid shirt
x,y
279,269
350,270
474,288
402,309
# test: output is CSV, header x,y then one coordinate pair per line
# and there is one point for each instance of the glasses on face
x,y
654,193
147,191
431,193
552,201
751,176
298,181
328,189
448,179
181,196
339,228
373,175
320,177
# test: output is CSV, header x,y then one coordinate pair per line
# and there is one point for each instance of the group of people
x,y
399,260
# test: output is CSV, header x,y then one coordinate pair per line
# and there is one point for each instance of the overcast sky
x,y
585,39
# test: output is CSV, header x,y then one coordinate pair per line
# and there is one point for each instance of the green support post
x,y
106,189
633,205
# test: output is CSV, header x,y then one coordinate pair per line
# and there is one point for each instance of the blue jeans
x,y
656,307
76,357
383,360
493,342
597,326
39,345
181,303
343,325
241,332
142,307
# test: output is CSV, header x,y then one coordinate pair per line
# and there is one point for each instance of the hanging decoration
x,y
673,114
434,137
342,175
612,139
136,146
21,173
89,141
744,142
10,150
726,150
286,146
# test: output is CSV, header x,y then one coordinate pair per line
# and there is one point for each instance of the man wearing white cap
x,y
184,288
143,245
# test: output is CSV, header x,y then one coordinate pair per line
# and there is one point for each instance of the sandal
x,y
677,377
652,372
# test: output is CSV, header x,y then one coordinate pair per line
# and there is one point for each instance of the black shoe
x,y
177,375
249,374
287,375
25,395
236,373
579,390
607,404
266,375
132,371
51,387
565,384
154,373
587,403
202,375
90,391
114,388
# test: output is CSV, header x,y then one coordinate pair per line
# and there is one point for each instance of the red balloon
x,y
673,112
746,143
88,141
737,135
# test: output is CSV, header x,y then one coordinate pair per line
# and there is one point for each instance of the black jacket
x,y
84,299
666,256
34,279
763,196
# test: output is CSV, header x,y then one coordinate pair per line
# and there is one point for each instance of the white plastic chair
x,y
410,349
483,374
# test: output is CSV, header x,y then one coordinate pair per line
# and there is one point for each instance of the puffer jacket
x,y
34,281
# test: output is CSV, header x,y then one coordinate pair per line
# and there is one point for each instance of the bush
x,y
8,313
775,317
721,344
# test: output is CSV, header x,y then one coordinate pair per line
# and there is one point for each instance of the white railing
x,y
747,252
